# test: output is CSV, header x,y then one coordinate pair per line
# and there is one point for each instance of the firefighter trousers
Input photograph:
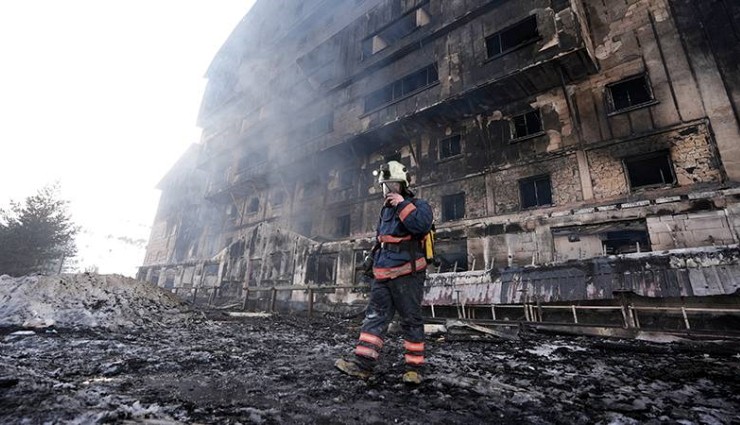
x,y
403,295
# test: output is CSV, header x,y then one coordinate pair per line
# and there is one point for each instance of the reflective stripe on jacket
x,y
407,221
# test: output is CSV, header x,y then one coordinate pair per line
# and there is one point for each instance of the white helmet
x,y
393,171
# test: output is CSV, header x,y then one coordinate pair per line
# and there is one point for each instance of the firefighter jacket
x,y
398,228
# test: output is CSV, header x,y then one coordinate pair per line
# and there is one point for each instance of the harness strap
x,y
393,239
402,270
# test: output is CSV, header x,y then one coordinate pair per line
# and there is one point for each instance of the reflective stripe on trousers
x,y
402,295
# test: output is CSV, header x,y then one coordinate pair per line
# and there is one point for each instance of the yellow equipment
x,y
428,244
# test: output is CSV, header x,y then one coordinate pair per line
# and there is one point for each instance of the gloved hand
x,y
367,266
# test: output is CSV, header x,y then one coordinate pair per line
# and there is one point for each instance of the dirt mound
x,y
85,300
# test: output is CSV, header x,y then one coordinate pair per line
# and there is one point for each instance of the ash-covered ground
x,y
102,349
280,370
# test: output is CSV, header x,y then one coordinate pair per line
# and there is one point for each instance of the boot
x,y
351,368
412,377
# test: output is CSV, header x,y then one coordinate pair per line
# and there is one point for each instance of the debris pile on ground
x,y
85,300
279,370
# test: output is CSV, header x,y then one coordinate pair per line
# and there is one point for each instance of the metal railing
x,y
532,312
273,290
629,313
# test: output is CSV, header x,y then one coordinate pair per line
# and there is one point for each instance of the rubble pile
x,y
275,370
85,300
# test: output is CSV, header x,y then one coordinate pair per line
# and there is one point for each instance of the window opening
x,y
449,147
535,191
526,125
453,207
321,268
629,93
654,170
402,87
626,242
452,255
515,36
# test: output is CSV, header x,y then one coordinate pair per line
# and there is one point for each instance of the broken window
x,y
254,205
611,238
449,147
453,207
343,228
396,30
626,242
535,191
650,170
526,125
513,37
402,87
629,93
321,268
452,255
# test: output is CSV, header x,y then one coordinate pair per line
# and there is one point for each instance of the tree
x,y
37,235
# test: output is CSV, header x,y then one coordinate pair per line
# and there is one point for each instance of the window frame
x,y
651,155
512,126
514,48
534,180
609,96
392,87
440,158
444,209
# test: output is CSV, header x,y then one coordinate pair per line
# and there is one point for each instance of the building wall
x,y
286,113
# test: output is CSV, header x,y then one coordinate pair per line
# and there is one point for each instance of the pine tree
x,y
36,235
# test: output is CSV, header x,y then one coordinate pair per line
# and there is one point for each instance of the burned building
x,y
541,131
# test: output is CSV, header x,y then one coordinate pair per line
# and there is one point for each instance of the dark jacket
x,y
412,217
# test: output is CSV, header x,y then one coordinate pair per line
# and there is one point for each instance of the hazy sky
x,y
102,95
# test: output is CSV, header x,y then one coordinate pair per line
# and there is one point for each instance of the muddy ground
x,y
279,370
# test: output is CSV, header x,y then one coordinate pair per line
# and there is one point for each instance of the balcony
x,y
521,50
228,185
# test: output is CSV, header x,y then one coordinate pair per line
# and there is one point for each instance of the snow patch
x,y
86,300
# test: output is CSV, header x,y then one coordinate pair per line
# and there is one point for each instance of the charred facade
x,y
541,131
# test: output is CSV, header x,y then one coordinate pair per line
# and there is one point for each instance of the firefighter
x,y
399,270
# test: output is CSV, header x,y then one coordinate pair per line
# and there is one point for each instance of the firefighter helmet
x,y
393,171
